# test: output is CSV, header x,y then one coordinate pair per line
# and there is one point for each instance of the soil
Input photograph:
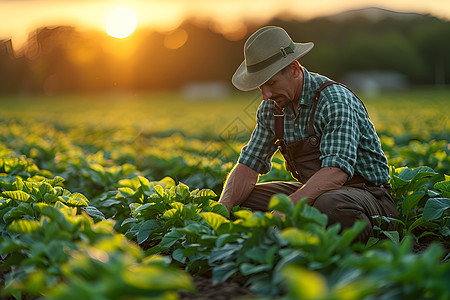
x,y
221,291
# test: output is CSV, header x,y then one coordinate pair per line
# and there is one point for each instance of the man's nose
x,y
265,92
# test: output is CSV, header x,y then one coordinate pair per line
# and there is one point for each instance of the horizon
x,y
227,17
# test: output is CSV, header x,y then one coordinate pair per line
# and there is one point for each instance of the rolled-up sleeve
x,y
340,137
257,154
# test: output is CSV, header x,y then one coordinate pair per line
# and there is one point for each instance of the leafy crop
x,y
128,208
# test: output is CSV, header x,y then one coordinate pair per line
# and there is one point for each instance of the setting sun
x,y
121,22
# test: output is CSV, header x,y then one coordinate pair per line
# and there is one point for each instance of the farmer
x,y
321,128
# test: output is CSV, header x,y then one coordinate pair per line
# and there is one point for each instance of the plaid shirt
x,y
348,137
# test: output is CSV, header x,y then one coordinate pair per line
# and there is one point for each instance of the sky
x,y
20,17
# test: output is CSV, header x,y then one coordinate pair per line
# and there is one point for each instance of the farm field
x,y
114,197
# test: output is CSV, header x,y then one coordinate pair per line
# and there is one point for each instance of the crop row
x,y
122,234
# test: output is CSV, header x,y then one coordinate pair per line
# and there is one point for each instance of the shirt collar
x,y
306,97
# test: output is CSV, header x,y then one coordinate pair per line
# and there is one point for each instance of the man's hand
x,y
326,179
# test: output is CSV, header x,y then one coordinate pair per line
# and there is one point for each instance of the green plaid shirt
x,y
348,137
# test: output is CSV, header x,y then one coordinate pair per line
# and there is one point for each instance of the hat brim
x,y
245,81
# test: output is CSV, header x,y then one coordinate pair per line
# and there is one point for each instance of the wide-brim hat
x,y
266,52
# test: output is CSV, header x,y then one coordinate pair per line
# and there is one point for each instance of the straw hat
x,y
266,52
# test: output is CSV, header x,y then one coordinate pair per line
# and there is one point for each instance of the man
x,y
321,128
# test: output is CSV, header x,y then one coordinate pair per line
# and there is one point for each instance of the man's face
x,y
280,88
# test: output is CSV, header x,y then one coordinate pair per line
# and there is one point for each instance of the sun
x,y
121,22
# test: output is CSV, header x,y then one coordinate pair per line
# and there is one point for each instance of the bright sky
x,y
19,17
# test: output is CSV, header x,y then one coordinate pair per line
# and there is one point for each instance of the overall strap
x,y
278,113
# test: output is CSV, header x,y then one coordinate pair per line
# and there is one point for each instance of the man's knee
x,y
341,207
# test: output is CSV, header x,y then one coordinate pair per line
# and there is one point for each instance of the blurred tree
x,y
432,39
12,69
63,59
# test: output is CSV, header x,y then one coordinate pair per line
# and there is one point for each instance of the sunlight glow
x,y
121,22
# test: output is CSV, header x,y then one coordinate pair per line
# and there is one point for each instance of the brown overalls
x,y
358,199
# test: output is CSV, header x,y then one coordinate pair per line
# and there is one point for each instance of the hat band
x,y
267,62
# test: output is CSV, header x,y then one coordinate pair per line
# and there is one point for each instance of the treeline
x,y
63,59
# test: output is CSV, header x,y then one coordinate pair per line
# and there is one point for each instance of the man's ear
x,y
295,68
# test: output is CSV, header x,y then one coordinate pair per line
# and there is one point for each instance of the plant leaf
x,y
435,207
146,229
223,272
411,201
248,269
299,238
214,220
281,203
94,212
17,195
170,238
24,226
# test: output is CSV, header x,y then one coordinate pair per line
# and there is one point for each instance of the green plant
x,y
43,242
422,198
258,245
114,268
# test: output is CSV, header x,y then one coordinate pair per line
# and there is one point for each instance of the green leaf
x,y
311,214
435,207
146,229
126,191
182,191
204,195
140,209
214,220
281,203
257,254
17,195
160,191
24,226
156,278
178,255
94,212
18,212
415,174
270,254
171,214
218,208
372,241
19,184
304,284
190,249
129,220
224,253
74,200
443,187
78,197
45,188
350,234
299,238
248,269
419,222
411,201
223,272
56,215
393,236
170,238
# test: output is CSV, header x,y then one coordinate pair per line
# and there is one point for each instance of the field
x,y
114,197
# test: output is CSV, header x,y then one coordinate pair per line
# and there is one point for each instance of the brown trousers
x,y
345,205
